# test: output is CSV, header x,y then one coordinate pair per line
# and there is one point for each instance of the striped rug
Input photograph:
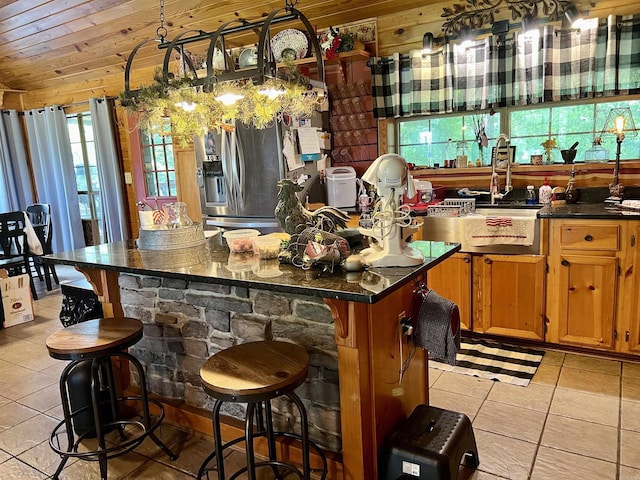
x,y
494,361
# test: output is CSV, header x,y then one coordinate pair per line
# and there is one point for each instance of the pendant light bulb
x,y
229,98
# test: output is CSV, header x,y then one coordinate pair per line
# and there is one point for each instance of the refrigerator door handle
x,y
240,164
227,156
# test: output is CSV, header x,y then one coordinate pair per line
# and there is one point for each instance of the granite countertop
x,y
602,211
213,263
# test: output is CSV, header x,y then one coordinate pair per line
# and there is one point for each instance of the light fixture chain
x,y
161,31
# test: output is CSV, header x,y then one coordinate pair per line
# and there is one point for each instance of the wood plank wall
x,y
396,33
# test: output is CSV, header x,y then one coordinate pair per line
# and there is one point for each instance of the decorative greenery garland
x,y
193,110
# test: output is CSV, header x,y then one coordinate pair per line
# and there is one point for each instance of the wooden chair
x,y
40,218
15,249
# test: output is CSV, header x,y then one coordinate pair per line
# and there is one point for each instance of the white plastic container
x,y
341,186
241,241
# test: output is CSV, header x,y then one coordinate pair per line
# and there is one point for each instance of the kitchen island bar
x,y
194,302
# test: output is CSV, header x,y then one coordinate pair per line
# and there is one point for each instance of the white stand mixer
x,y
392,223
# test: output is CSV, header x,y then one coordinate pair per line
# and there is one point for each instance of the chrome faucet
x,y
494,188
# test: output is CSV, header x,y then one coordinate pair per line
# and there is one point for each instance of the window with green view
x,y
423,140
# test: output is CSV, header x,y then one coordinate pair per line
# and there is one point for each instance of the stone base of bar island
x,y
353,395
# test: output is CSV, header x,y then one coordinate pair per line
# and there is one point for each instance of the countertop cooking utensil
x,y
573,147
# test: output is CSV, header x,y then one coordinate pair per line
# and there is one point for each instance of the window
x,y
86,167
423,140
568,124
158,163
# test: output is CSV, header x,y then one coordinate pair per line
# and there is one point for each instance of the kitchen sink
x,y
452,229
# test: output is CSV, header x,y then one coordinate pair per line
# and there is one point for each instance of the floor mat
x,y
494,361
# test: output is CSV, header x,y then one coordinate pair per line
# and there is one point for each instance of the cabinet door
x,y
587,289
509,296
632,297
452,279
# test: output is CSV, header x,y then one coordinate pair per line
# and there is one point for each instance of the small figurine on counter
x,y
293,217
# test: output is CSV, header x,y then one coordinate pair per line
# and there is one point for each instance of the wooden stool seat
x,y
94,338
255,371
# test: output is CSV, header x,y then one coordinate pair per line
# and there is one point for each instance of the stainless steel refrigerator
x,y
238,172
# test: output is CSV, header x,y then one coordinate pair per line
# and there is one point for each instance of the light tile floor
x,y
578,419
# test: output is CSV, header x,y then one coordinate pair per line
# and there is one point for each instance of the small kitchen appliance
x,y
341,187
392,223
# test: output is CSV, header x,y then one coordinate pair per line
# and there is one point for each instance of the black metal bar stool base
x,y
105,417
215,461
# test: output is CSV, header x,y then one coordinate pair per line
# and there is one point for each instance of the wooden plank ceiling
x,y
50,43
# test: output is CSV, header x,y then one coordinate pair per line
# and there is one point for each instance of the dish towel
x,y
482,231
438,327
35,247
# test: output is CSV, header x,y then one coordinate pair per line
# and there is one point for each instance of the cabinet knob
x,y
627,335
591,287
565,263
571,289
588,238
487,261
466,259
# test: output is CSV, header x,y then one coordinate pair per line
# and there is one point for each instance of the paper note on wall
x,y
308,138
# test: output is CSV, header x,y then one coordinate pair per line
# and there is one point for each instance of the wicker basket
x,y
173,238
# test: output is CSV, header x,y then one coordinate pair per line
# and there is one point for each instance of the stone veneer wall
x,y
186,322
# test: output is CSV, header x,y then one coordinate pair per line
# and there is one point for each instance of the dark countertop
x,y
213,263
600,211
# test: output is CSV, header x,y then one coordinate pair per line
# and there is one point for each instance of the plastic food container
x,y
268,247
240,241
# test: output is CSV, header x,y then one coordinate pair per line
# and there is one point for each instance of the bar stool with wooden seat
x,y
94,344
255,373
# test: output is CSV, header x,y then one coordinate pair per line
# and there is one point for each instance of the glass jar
x,y
549,157
461,155
176,214
596,154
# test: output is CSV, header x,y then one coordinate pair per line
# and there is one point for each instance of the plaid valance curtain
x,y
602,59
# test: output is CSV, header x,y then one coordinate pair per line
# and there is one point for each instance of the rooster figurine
x,y
291,213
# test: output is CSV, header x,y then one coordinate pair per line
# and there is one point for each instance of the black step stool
x,y
430,444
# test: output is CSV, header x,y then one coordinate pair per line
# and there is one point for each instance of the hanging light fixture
x,y
573,16
206,97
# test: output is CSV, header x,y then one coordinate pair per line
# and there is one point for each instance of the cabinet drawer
x,y
590,237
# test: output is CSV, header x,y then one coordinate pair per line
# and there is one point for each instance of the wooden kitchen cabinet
x,y
452,280
582,289
509,295
630,299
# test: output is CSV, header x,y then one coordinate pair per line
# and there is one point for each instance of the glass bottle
x,y
461,155
571,193
449,155
545,193
530,198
